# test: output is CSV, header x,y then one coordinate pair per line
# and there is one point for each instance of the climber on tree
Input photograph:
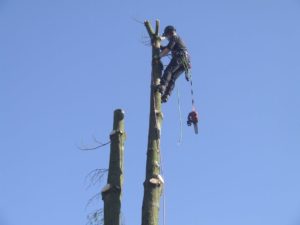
x,y
179,63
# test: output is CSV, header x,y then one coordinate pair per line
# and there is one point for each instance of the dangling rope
x,y
179,141
180,117
192,93
188,74
193,115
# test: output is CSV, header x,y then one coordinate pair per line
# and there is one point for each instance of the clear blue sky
x,y
66,65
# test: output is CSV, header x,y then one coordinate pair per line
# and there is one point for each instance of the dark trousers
x,y
175,68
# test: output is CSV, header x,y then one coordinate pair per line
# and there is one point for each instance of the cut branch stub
x,y
156,27
157,180
154,36
149,28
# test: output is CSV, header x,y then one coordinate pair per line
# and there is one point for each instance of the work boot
x,y
165,98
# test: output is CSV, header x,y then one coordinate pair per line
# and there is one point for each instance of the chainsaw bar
x,y
196,128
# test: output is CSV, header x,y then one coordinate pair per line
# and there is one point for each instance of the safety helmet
x,y
168,30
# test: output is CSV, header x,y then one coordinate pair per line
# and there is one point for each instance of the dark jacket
x,y
176,46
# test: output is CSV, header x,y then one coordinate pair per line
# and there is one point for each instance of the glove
x,y
162,47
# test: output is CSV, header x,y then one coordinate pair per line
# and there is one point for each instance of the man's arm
x,y
164,52
166,49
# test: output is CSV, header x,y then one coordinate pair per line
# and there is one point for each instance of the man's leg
x,y
184,64
173,66
171,83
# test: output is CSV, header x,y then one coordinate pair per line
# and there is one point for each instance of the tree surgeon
x,y
179,63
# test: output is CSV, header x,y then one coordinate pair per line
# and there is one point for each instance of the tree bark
x,y
153,182
111,193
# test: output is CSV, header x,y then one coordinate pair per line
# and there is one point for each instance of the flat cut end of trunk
x,y
115,132
106,188
157,180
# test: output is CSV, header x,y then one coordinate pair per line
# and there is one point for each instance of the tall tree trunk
x,y
153,182
111,193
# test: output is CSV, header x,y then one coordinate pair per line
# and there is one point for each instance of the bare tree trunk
x,y
111,193
154,182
